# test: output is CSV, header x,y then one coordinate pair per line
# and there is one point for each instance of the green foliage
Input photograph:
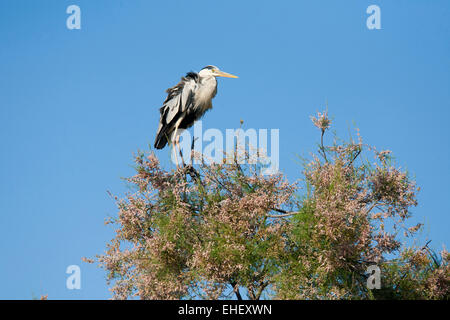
x,y
219,230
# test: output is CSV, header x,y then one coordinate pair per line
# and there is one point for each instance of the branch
x,y
189,168
284,213
261,289
236,290
354,158
425,247
371,207
192,150
322,148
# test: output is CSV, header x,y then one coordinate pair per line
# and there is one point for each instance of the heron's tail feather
x,y
161,138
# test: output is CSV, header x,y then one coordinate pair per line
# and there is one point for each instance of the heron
x,y
187,102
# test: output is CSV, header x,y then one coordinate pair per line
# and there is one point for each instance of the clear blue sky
x,y
75,105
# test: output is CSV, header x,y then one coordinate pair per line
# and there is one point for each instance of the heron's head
x,y
213,71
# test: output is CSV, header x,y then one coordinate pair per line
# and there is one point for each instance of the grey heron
x,y
187,102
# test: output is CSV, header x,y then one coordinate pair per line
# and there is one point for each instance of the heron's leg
x,y
179,151
176,153
176,141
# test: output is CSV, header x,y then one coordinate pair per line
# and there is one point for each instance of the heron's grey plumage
x,y
186,103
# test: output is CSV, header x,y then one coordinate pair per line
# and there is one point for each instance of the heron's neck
x,y
211,80
207,89
208,85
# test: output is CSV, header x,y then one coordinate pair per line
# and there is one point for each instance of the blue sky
x,y
76,104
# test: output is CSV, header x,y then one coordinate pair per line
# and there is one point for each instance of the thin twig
x,y
322,148
284,213
354,158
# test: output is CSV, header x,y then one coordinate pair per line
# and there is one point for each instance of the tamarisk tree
x,y
225,231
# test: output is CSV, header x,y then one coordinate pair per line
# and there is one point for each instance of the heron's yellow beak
x,y
219,73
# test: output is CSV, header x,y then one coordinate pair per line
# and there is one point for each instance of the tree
x,y
215,231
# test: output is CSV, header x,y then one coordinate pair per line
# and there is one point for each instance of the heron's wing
x,y
179,99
